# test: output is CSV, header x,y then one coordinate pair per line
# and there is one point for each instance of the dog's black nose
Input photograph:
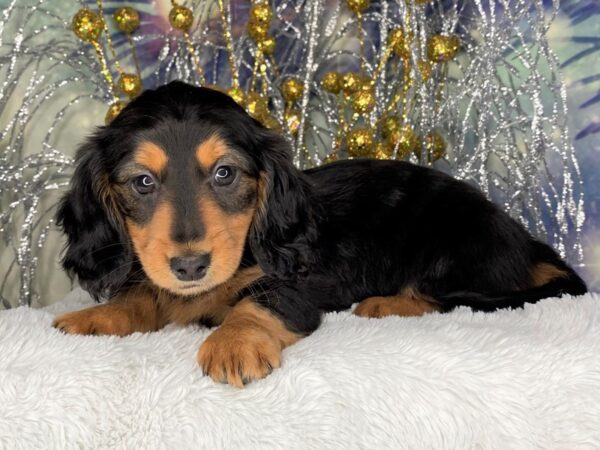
x,y
189,268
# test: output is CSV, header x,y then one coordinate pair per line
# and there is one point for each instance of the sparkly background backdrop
x,y
499,105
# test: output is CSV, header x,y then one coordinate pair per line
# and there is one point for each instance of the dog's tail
x,y
568,282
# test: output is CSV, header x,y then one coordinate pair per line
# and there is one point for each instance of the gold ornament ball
x,y
237,95
292,90
181,18
292,120
351,82
270,122
357,6
363,101
360,142
366,84
87,25
127,19
399,42
258,31
382,151
332,82
261,13
436,146
404,139
442,48
257,105
113,111
395,37
267,45
130,84
389,125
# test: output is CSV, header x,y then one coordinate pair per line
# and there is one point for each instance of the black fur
x,y
97,250
286,230
327,237
385,225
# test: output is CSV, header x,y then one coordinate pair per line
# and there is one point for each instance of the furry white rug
x,y
513,379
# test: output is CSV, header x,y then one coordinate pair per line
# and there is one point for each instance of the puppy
x,y
186,209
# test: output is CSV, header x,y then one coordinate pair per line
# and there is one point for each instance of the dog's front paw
x,y
237,355
104,320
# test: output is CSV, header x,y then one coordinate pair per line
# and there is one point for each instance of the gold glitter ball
x,y
332,82
258,31
363,101
270,122
436,146
237,95
404,139
357,6
351,82
87,25
366,83
389,125
267,45
127,19
292,90
382,151
181,18
130,84
113,111
261,13
360,142
399,43
292,120
257,105
442,48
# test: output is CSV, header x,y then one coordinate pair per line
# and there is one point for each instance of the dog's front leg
x,y
248,345
133,310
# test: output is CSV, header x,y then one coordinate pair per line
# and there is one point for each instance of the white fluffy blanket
x,y
513,379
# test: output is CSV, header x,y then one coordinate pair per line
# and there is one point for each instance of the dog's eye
x,y
224,175
144,184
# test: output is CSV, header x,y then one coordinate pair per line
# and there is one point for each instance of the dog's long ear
x,y
97,250
284,228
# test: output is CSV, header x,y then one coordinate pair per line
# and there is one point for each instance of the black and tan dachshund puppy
x,y
185,209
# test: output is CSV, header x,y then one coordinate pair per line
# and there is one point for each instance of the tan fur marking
x,y
246,347
134,310
214,304
225,238
154,246
408,303
261,204
543,273
108,199
151,156
210,151
144,309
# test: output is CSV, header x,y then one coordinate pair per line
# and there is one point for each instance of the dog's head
x,y
173,190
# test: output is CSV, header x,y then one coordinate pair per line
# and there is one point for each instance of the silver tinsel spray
x,y
498,107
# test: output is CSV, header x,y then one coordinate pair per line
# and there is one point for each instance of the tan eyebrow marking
x,y
210,151
151,156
